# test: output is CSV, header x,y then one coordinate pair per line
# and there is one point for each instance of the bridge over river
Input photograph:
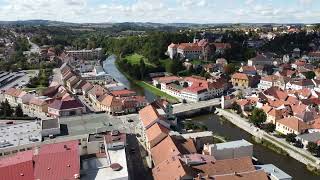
x,y
194,107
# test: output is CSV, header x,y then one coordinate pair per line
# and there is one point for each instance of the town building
x,y
243,80
274,172
291,125
59,108
93,54
229,150
196,50
260,59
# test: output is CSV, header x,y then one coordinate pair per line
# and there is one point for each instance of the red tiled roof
x,y
226,166
57,161
240,76
15,92
64,105
124,92
190,47
17,167
252,175
167,79
148,115
155,130
164,150
293,123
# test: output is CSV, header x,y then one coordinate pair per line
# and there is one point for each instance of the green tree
x,y
236,107
270,127
310,74
312,147
229,69
258,117
18,111
6,109
142,68
291,138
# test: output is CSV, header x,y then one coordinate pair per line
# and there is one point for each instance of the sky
x,y
163,11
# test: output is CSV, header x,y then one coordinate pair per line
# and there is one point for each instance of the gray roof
x,y
312,137
233,144
50,123
273,171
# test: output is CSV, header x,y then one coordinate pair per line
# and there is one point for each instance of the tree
x,y
270,127
6,109
229,69
185,84
236,107
291,138
312,147
310,74
19,112
258,117
142,68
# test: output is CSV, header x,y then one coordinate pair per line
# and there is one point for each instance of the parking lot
x,y
16,79
92,123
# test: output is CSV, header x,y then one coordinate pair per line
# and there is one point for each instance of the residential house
x,y
309,137
291,125
112,105
77,88
314,56
38,105
72,81
300,84
13,96
60,108
86,88
221,47
260,59
95,93
243,80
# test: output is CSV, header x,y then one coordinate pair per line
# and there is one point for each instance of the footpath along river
x,y
226,129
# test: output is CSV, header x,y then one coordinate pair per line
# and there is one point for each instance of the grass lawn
x,y
157,91
135,59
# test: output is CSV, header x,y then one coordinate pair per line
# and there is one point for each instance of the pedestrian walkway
x,y
296,153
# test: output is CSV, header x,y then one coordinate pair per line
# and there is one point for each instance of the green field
x,y
157,91
135,59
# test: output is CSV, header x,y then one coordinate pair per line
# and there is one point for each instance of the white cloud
x,y
199,11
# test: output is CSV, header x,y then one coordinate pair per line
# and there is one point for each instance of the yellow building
x,y
240,80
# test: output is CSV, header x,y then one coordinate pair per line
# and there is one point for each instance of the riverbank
x,y
298,154
148,86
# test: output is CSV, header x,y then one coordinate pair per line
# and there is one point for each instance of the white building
x,y
273,172
229,150
92,54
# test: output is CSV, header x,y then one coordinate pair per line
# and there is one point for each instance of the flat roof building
x,y
274,172
229,150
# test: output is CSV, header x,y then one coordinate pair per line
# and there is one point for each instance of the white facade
x,y
230,150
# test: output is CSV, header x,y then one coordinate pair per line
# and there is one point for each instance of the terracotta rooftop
x,y
164,150
155,130
171,168
148,115
122,93
64,105
293,123
17,167
240,76
226,166
15,92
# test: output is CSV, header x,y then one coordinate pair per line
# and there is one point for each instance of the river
x,y
110,67
226,129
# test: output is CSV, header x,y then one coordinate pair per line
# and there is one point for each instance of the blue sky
x,y
164,11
